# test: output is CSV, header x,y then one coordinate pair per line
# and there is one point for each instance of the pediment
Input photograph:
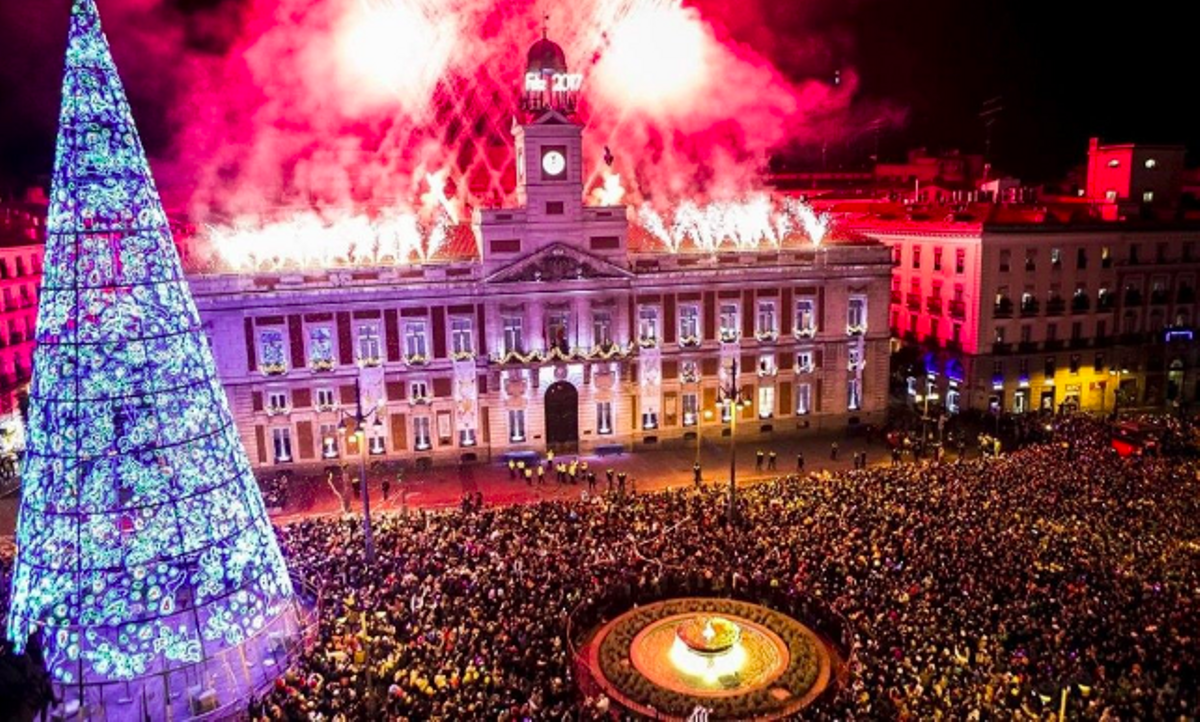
x,y
558,262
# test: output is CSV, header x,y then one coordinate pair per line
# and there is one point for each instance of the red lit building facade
x,y
21,249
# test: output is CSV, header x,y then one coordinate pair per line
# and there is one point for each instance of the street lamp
x,y
708,414
730,396
360,419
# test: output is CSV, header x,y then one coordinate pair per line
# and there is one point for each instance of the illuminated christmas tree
x,y
145,554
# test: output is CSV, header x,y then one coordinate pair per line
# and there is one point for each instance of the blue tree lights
x,y
144,545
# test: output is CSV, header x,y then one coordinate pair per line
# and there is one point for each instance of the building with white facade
x,y
552,324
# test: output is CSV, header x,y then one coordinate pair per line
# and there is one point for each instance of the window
x,y
1099,363
1147,196
691,409
1160,253
766,319
281,436
554,208
1052,332
414,341
1076,330
466,437
937,258
649,420
1048,367
689,372
1081,258
604,417
766,364
601,329
956,333
689,324
1110,195
462,336
513,338
934,323
1030,259
1026,333
729,321
1101,328
855,355
1000,331
896,251
1105,257
1150,163
1133,254
960,260
1056,258
1005,260
320,348
804,360
803,399
648,325
329,448
1023,369
325,400
421,438
1114,163
856,315
516,425
854,394
418,391
557,332
916,257
766,402
998,371
368,345
274,357
806,317
1074,363
1189,247
375,445
277,402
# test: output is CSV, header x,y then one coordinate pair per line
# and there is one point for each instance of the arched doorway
x,y
562,416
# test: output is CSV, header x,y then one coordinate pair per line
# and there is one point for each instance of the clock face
x,y
553,162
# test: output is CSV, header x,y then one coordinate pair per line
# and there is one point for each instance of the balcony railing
x,y
1030,307
1002,348
1079,343
1132,339
1055,307
1080,303
1027,347
958,309
1053,344
1003,309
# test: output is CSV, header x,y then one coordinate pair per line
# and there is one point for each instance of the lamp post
x,y
731,397
1117,374
360,419
708,414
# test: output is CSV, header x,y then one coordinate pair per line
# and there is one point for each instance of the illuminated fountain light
x,y
713,653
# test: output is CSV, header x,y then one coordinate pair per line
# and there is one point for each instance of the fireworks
x,y
750,224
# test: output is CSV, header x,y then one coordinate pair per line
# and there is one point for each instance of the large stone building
x,y
552,324
21,248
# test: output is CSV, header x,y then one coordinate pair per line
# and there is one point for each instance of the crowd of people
x,y
985,589
977,590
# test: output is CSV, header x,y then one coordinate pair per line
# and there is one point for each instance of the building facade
x,y
551,325
1013,312
21,251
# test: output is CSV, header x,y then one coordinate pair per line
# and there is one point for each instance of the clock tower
x,y
550,172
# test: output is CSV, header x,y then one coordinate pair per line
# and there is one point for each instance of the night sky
x,y
1062,77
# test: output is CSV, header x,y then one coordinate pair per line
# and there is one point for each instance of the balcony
x,y
1185,295
1030,307
1003,309
914,302
1027,347
1132,339
1080,303
1106,302
1078,343
897,297
958,310
1133,298
1053,345
1159,297
1001,349
1056,307
934,305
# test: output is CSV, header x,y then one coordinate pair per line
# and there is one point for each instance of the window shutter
x,y
304,439
399,424
391,332
256,400
296,339
251,350
260,438
301,398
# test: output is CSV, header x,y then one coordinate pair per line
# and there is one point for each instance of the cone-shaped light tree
x,y
143,543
